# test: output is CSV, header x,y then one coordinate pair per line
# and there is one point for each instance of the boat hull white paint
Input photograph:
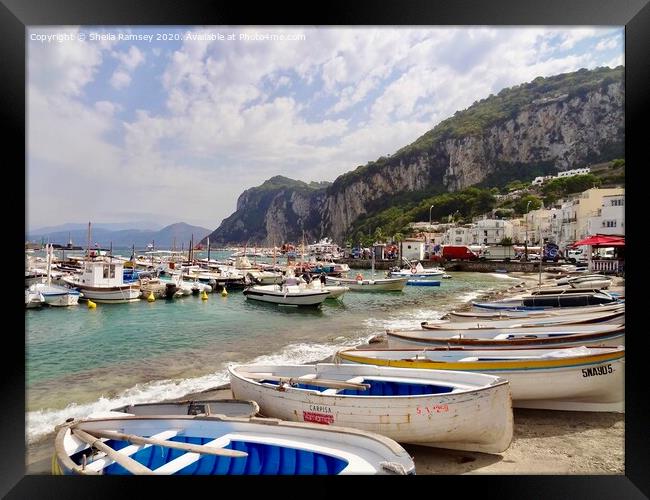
x,y
378,285
582,384
126,294
478,418
287,296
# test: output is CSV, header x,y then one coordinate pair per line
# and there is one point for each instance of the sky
x,y
173,124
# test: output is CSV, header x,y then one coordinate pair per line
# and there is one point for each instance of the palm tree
x,y
379,235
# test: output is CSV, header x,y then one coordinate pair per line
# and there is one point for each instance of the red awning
x,y
602,240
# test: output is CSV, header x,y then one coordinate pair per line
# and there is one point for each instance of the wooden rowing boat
x,y
217,445
546,336
563,378
462,411
593,318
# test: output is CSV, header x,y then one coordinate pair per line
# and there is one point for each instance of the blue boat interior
x,y
380,388
262,459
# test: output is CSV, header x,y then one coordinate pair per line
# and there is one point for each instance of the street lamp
x,y
430,213
526,242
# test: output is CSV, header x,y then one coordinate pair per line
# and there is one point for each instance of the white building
x,y
568,173
490,232
610,218
413,249
458,236
575,171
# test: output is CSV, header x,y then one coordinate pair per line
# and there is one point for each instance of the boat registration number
x,y
597,370
432,409
319,418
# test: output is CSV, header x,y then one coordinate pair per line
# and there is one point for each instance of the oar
x,y
193,448
337,384
128,463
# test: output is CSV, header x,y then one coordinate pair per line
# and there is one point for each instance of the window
x,y
105,269
112,270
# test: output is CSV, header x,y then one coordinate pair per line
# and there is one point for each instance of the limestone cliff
x,y
564,121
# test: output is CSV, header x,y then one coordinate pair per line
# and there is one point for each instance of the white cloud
x,y
229,122
131,59
608,43
120,79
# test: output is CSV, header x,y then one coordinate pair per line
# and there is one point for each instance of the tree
x,y
506,240
521,203
379,235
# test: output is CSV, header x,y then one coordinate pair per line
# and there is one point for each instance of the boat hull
x,y
379,285
592,382
422,283
479,419
273,447
112,295
280,297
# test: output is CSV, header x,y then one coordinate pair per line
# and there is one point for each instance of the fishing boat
x,y
444,409
335,291
33,299
417,271
55,295
545,336
219,445
286,295
422,283
562,378
574,319
506,314
102,281
227,407
361,284
548,300
370,285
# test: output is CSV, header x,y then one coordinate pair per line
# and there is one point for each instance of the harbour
x,y
326,261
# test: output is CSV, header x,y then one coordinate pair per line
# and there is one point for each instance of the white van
x,y
576,255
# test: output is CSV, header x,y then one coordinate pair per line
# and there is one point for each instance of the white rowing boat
x,y
569,378
504,338
445,409
218,445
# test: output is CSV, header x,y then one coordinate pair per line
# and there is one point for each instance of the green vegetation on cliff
x,y
496,109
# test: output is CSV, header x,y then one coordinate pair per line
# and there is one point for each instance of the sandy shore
x,y
544,441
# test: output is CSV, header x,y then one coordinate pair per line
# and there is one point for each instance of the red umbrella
x,y
602,240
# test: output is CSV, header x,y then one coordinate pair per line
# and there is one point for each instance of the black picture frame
x,y
16,15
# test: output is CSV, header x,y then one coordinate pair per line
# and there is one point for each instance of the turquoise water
x,y
81,360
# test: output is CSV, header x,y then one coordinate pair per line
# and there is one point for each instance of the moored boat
x,y
286,295
557,336
422,283
549,300
370,285
562,378
227,407
463,411
219,445
33,299
554,312
56,296
573,319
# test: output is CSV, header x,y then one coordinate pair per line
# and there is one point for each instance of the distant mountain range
x,y
177,235
111,226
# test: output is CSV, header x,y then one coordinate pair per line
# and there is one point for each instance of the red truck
x,y
456,252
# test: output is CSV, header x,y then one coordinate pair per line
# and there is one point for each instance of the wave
x,y
41,423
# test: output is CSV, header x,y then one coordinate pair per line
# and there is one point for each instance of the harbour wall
x,y
487,266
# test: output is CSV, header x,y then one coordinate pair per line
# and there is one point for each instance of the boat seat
x,y
355,380
128,450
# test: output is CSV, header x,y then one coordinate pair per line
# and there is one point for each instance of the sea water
x,y
81,360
